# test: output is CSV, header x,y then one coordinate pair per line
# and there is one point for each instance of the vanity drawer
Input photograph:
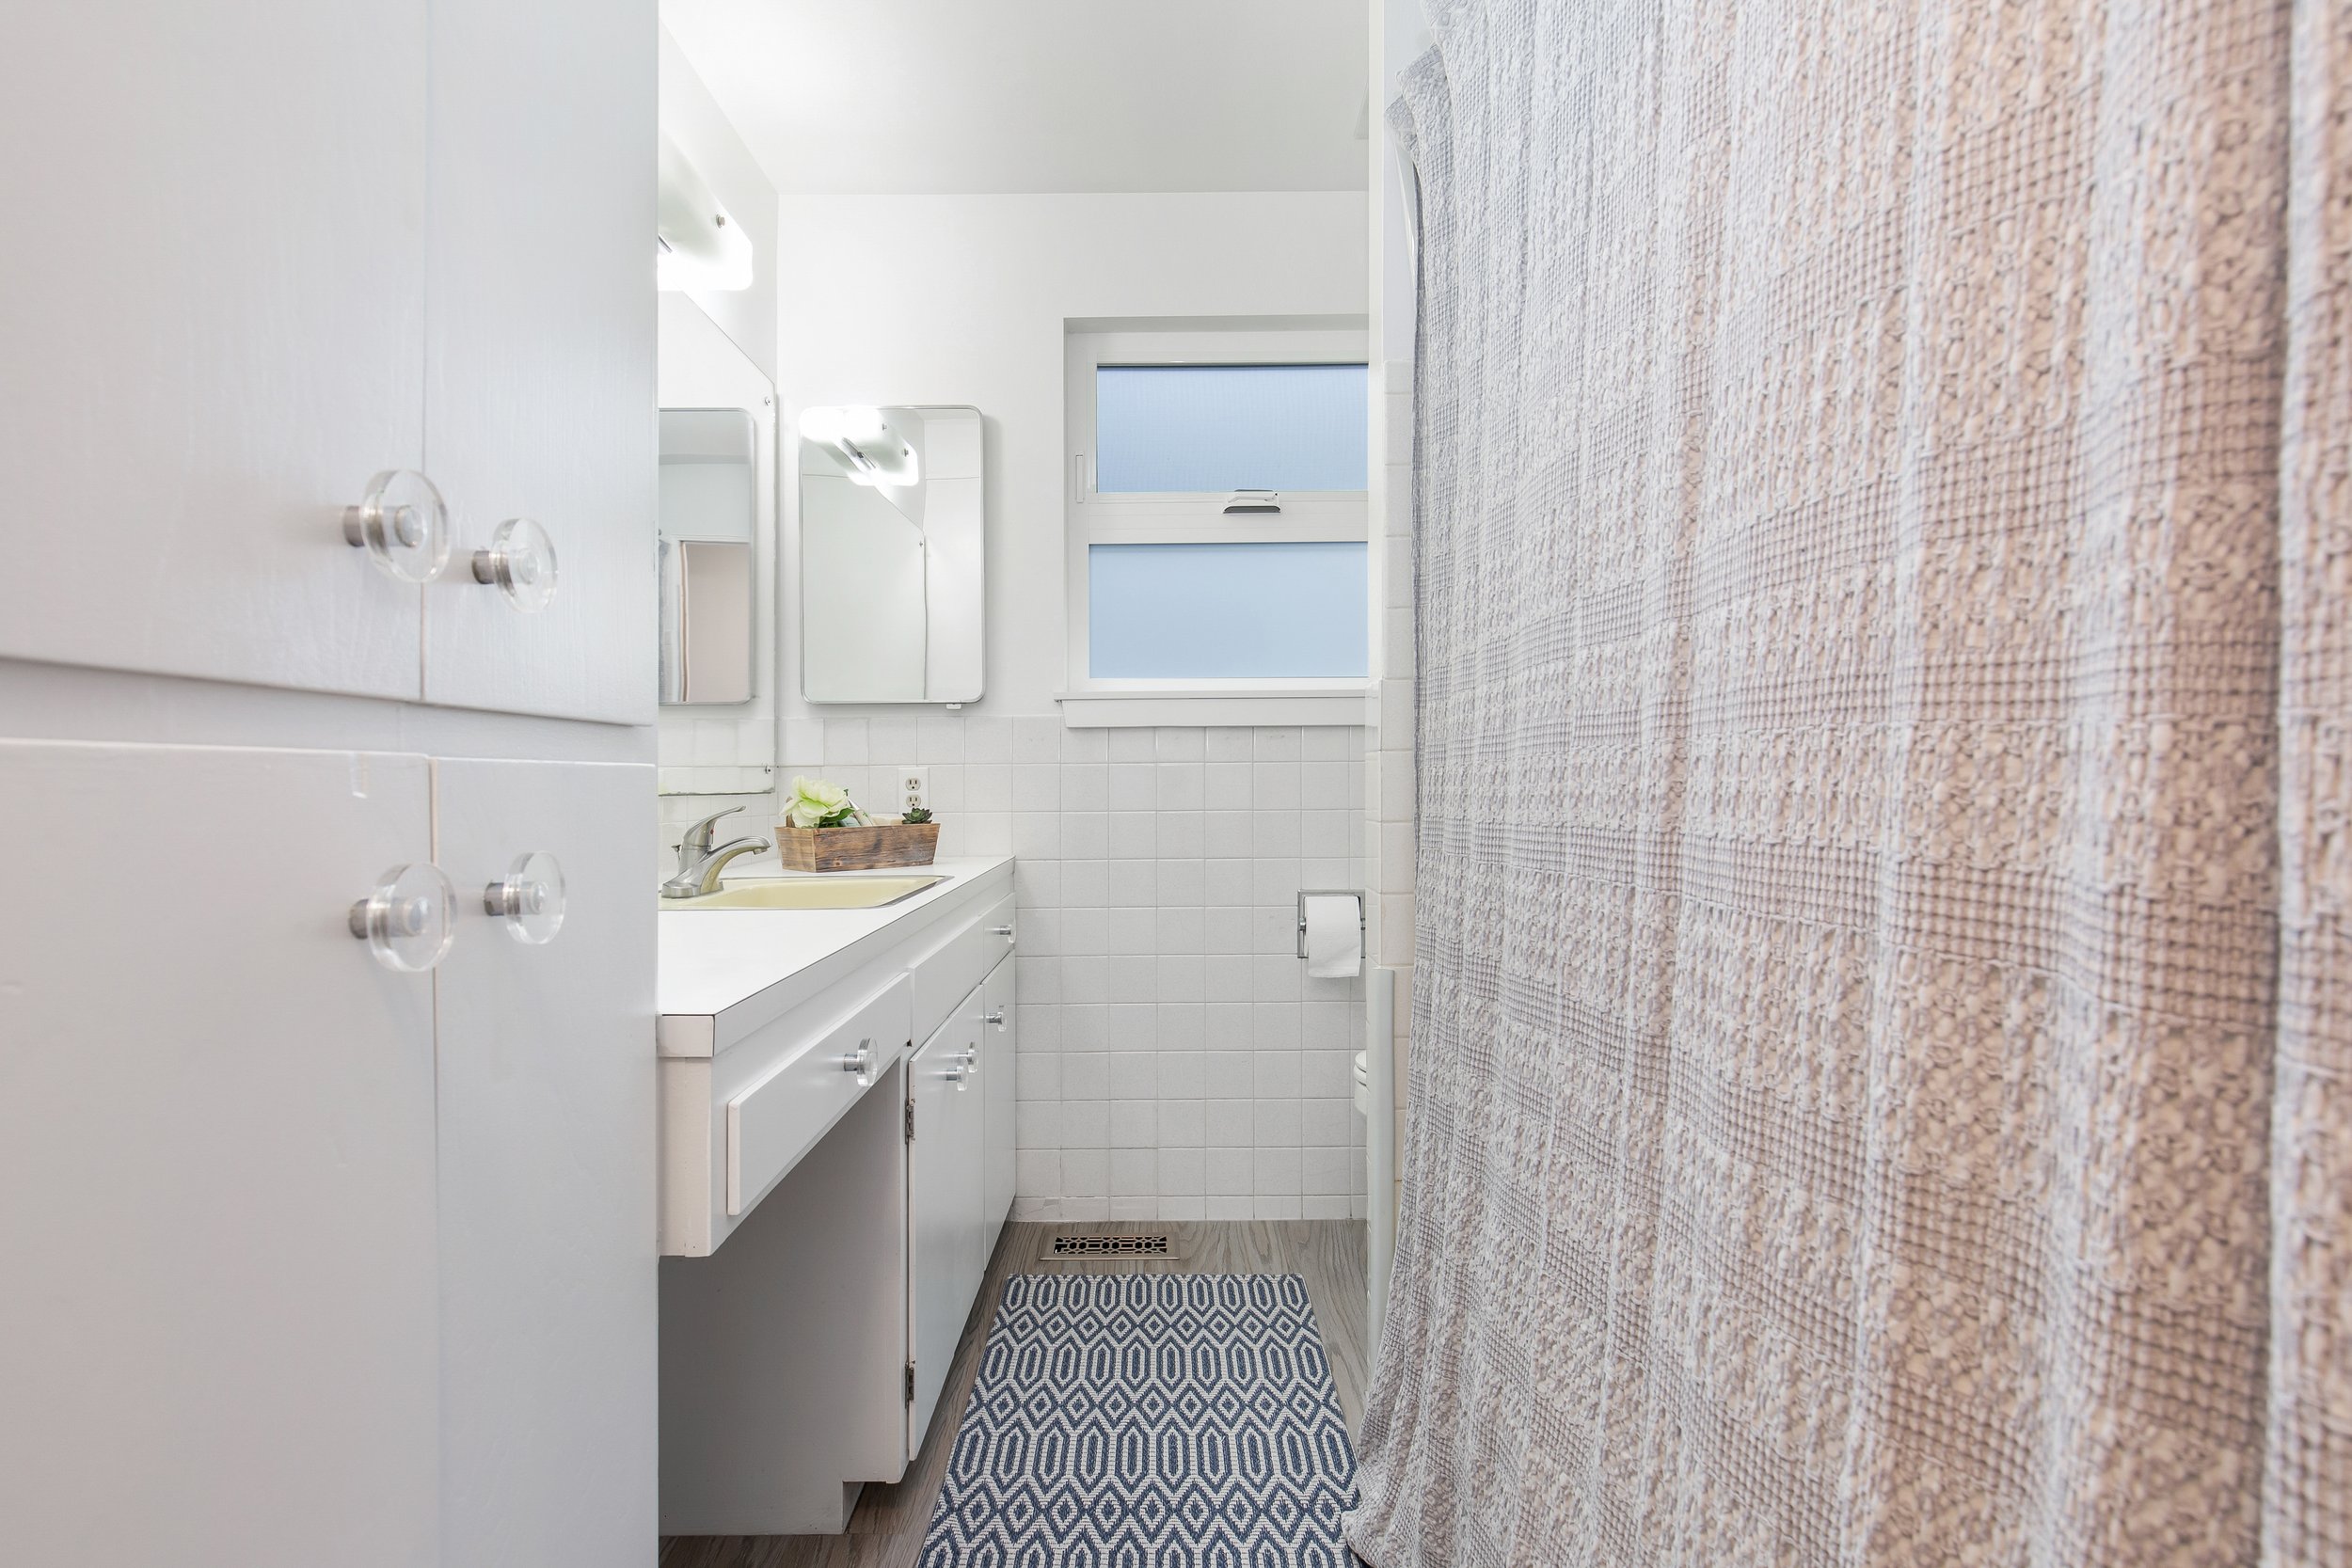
x,y
775,1121
944,977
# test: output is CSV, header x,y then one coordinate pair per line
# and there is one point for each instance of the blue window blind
x,y
1229,427
1210,611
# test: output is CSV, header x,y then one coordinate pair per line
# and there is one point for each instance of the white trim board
x,y
1136,709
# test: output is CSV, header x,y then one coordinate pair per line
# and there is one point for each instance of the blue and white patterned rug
x,y
1171,1421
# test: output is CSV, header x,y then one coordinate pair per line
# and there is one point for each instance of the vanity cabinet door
x,y
546,1092
944,1206
539,350
999,1055
219,1290
212,312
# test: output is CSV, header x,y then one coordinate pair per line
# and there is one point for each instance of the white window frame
x,y
1092,517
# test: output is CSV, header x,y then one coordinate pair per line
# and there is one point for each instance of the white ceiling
x,y
984,96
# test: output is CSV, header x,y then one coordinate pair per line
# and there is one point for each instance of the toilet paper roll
x,y
1335,935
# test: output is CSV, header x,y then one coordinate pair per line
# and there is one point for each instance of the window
x,y
1217,516
1220,612
1178,428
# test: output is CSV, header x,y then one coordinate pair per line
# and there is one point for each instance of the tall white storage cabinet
x,y
545,1191
219,1312
213,329
530,151
309,1260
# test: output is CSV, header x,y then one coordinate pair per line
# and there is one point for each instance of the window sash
x,y
1089,351
1186,607
1130,517
1218,422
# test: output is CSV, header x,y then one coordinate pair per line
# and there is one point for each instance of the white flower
x,y
815,803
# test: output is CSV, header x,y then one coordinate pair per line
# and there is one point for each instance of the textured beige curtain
x,y
1882,1079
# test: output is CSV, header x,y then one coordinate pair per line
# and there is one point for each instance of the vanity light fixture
x,y
699,246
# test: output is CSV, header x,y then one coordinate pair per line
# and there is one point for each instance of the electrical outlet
x,y
914,787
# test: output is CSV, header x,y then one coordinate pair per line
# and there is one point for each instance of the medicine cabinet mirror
x,y
892,577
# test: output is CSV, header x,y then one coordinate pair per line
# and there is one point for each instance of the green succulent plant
x,y
917,814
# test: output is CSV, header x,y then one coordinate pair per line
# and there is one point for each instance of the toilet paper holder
x,y
1305,893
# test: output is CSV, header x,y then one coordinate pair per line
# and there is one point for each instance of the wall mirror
x,y
717,553
892,575
707,550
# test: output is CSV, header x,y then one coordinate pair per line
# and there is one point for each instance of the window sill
x,y
1135,707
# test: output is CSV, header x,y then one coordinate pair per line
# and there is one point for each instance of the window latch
x,y
1253,501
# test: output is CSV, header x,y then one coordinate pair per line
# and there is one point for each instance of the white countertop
x,y
758,963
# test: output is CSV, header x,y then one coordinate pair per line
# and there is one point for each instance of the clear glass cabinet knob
x,y
408,918
403,524
520,562
529,900
860,1063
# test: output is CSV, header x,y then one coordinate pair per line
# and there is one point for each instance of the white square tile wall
x,y
1174,1060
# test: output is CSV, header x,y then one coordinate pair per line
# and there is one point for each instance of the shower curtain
x,y
1882,1068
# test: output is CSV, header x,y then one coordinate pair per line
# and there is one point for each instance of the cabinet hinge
x,y
909,1383
910,1119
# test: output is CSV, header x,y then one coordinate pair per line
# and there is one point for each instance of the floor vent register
x,y
1113,1246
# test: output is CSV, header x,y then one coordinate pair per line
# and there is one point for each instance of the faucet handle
x,y
698,837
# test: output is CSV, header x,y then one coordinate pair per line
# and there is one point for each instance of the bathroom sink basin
x,y
808,893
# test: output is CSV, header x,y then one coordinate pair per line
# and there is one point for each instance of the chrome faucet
x,y
696,839
699,865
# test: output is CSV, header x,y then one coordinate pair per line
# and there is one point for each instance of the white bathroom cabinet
x,y
540,340
223,1291
274,248
310,1261
946,1223
999,1048
546,1172
214,320
960,1164
318,1261
830,1231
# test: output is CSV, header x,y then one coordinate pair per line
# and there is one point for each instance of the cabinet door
x,y
942,1207
215,1165
547,1175
212,309
540,357
999,1053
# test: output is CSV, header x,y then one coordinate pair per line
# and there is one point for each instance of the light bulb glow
x,y
873,452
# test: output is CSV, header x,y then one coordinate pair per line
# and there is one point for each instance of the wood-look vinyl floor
x,y
886,1530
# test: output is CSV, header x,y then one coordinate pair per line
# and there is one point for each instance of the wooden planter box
x,y
847,848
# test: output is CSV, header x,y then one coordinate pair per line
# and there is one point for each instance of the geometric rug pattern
x,y
1149,1421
